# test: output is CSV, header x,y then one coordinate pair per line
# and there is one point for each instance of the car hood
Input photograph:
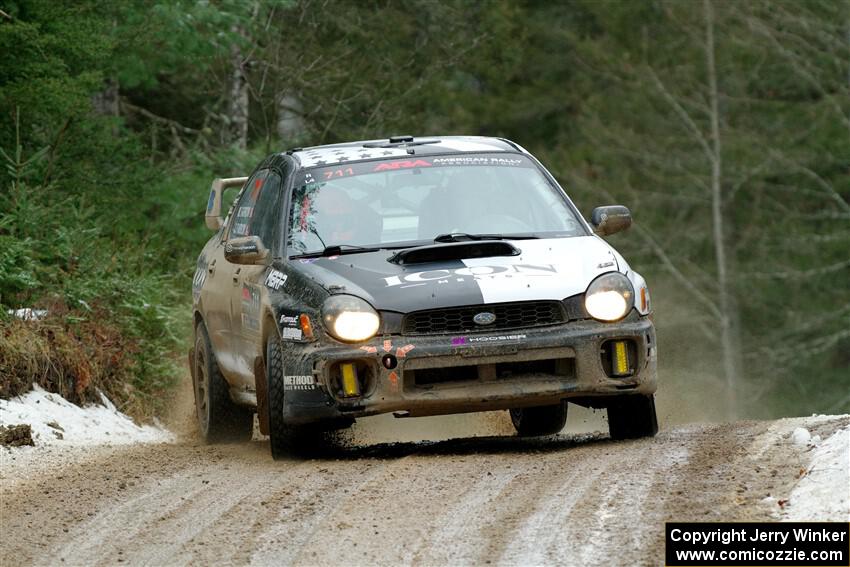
x,y
546,269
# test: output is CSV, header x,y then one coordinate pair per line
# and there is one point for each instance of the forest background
x,y
724,126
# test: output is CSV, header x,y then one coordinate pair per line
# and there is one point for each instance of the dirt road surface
x,y
577,499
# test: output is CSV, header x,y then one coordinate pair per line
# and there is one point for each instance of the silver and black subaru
x,y
418,276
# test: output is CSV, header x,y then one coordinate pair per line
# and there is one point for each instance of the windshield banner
x,y
344,169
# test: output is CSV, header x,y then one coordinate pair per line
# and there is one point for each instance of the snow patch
x,y
55,420
823,494
801,436
28,313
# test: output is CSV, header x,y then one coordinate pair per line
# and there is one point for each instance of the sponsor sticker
x,y
402,164
401,352
461,341
474,272
250,299
299,383
250,323
387,346
200,277
476,160
276,279
291,333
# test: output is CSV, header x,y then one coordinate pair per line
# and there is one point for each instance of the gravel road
x,y
567,499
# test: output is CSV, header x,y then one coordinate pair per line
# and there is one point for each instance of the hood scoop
x,y
454,251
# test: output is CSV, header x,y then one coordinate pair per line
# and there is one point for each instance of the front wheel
x,y
541,420
632,417
285,439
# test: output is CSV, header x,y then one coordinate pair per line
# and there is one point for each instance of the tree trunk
x,y
105,102
728,318
290,124
238,100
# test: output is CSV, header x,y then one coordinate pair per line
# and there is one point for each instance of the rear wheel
x,y
541,420
219,419
631,417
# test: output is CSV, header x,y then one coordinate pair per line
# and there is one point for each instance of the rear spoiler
x,y
219,185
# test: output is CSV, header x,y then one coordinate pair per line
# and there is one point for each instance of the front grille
x,y
518,315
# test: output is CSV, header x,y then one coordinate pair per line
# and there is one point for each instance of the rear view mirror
x,y
610,219
213,215
246,250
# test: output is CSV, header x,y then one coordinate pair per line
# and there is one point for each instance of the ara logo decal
x,y
402,164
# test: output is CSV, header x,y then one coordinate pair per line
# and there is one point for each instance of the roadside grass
x,y
110,258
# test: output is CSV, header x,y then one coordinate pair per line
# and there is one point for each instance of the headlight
x,y
609,297
349,318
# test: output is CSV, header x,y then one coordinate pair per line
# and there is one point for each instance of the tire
x,y
632,417
219,419
282,437
541,420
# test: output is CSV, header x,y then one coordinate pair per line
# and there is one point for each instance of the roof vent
x,y
400,141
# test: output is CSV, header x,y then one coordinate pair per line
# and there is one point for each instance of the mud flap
x,y
192,364
261,387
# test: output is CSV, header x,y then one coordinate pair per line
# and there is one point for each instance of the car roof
x,y
398,146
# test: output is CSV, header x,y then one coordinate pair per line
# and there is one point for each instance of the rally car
x,y
419,276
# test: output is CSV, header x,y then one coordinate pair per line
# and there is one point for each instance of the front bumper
x,y
478,372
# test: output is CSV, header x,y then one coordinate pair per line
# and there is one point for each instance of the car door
x,y
257,214
221,290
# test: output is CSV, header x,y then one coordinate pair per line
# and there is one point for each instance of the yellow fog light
x,y
350,385
620,359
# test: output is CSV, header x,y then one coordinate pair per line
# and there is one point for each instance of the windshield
x,y
411,201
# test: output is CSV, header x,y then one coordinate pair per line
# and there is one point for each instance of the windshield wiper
x,y
342,249
464,236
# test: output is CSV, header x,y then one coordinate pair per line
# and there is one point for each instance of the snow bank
x,y
823,494
74,425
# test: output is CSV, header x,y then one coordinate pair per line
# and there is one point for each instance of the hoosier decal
x,y
461,341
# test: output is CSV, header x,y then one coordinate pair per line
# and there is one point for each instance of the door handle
x,y
236,276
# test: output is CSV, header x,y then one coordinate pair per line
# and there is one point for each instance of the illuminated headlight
x,y
349,318
609,297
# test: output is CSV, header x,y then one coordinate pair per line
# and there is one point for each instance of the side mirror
x,y
213,215
246,250
610,219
